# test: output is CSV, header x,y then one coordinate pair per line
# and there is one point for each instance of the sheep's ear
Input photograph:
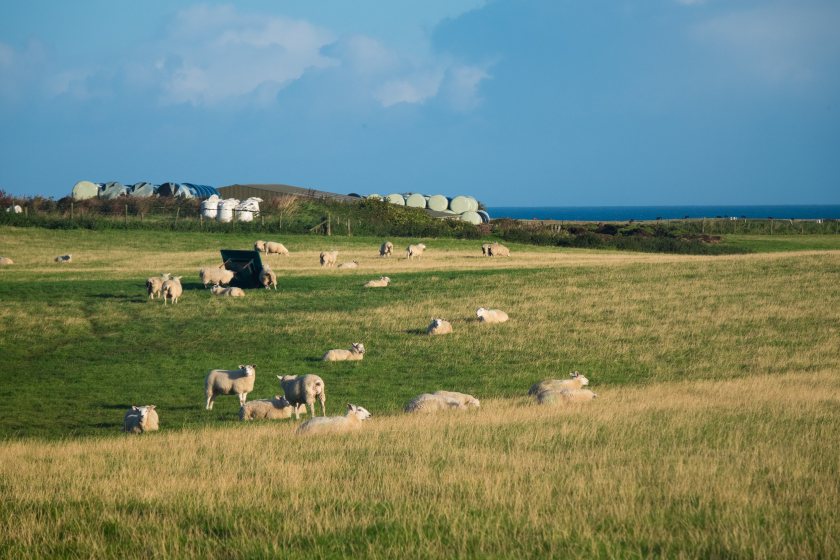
x,y
280,377
241,366
133,407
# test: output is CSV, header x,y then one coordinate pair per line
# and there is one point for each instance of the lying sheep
x,y
485,249
215,275
328,258
6,260
303,390
491,315
354,264
429,403
172,289
140,419
498,250
238,382
386,250
217,290
154,284
575,381
464,399
381,283
415,251
267,277
277,408
271,247
356,352
350,421
565,396
64,259
439,326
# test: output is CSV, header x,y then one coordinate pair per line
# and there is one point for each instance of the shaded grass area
x,y
778,243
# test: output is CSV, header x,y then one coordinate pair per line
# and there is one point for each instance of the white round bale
x,y
397,199
438,202
415,200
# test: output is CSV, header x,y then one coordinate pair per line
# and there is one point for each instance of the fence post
x,y
329,229
177,213
126,215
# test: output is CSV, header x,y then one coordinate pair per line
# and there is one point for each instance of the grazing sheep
x,y
466,400
439,326
387,249
428,403
64,259
217,290
565,396
575,381
215,275
354,264
328,258
351,420
414,251
172,289
491,315
6,260
267,277
304,389
269,247
230,382
485,249
141,419
381,283
277,408
154,284
356,352
498,250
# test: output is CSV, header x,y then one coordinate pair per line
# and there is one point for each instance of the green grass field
x,y
713,434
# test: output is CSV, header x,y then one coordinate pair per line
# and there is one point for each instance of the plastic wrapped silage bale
x,y
113,190
438,202
225,210
415,200
397,199
246,209
142,190
210,207
84,190
461,204
183,191
471,217
374,196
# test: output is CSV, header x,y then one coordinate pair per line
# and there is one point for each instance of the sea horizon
x,y
625,213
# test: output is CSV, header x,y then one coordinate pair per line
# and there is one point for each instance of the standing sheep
x,y
277,408
267,277
387,249
491,315
381,283
217,290
154,284
351,420
6,260
172,289
328,258
439,326
215,275
414,251
575,381
271,247
304,390
238,382
140,419
64,259
428,403
565,396
356,352
354,264
498,250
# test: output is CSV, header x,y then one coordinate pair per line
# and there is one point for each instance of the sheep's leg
x,y
242,398
297,412
210,400
311,409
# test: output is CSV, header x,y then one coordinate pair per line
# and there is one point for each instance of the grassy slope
x,y
777,243
717,376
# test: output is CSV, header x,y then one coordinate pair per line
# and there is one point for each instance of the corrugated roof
x,y
289,189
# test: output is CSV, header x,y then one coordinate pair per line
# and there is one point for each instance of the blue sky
x,y
555,102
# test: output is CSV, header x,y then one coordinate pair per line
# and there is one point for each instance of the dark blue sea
x,y
625,213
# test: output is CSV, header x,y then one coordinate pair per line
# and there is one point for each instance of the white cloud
x,y
416,88
462,85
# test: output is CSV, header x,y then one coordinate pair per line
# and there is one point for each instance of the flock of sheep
x,y
301,392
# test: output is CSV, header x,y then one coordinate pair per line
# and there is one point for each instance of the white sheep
x,y
491,315
271,247
6,260
439,326
268,278
575,381
387,249
356,352
351,420
64,259
141,419
277,408
428,403
354,264
466,400
172,289
217,290
304,389
381,283
215,275
565,396
328,258
498,250
154,284
16,209
238,382
415,251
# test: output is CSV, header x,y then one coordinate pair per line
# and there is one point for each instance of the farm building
x,y
267,192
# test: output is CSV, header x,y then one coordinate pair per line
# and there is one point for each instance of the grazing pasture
x,y
713,434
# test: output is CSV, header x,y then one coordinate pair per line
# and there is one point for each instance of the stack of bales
x,y
86,189
464,207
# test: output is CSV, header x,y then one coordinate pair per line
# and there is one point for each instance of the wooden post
x,y
177,213
329,228
126,215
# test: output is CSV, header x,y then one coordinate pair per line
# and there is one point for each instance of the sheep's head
x,y
583,380
436,323
358,348
259,245
357,411
480,312
472,401
386,279
280,401
249,369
